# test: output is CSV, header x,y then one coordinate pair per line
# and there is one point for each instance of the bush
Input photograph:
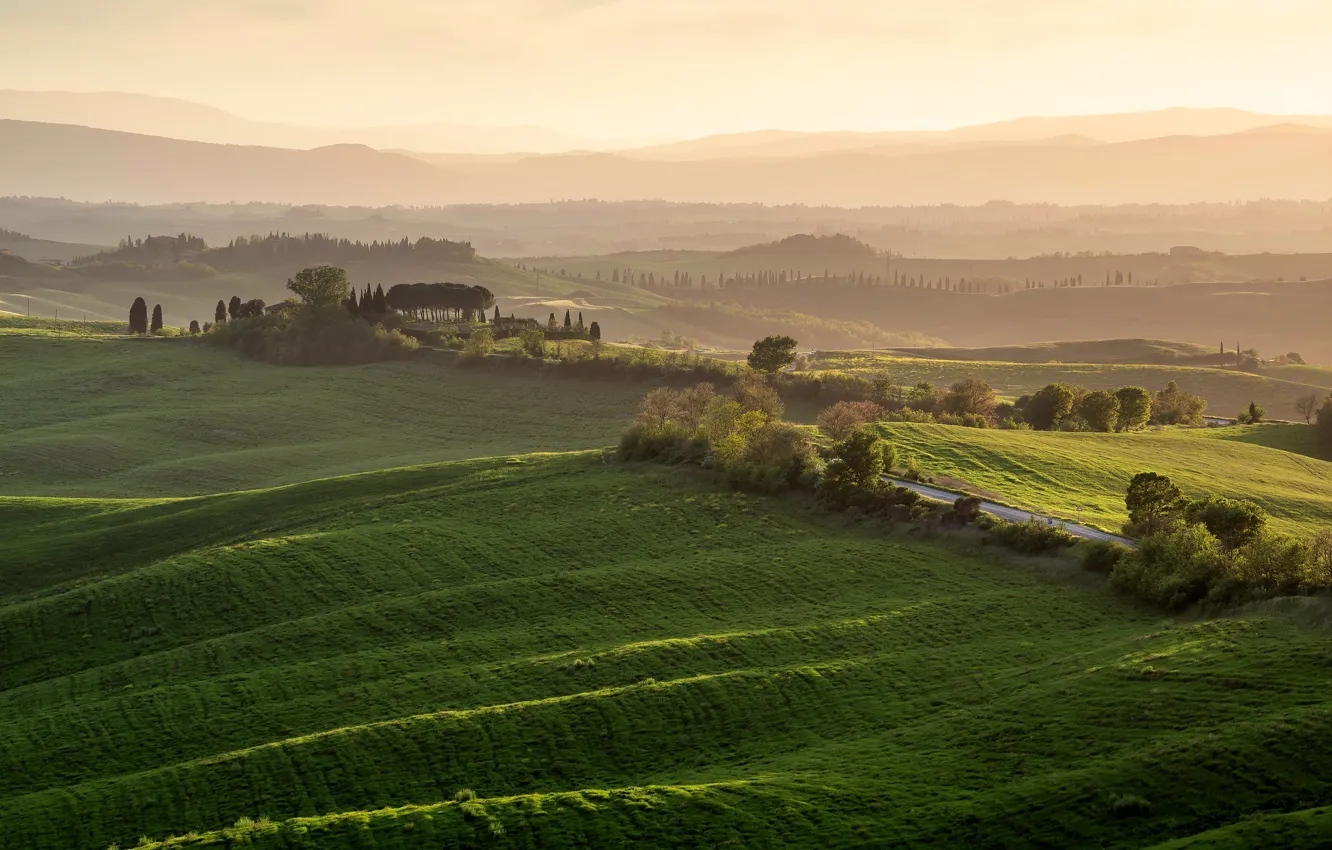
x,y
967,509
1102,556
778,457
1128,806
844,417
1175,568
532,342
306,338
1032,537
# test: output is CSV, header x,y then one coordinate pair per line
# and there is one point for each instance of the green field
x,y
1227,391
607,656
1056,473
1078,351
107,416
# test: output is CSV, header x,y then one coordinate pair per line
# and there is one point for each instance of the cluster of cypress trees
x,y
138,317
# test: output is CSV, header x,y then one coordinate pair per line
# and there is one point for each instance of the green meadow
x,y
101,415
1057,473
550,650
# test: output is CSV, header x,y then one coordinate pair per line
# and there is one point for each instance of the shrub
x,y
1174,568
1032,537
326,337
844,417
967,509
755,393
1128,806
1102,556
532,342
778,457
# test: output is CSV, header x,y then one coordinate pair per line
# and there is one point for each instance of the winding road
x,y
1014,514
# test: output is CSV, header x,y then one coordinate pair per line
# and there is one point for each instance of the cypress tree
x,y
233,307
580,319
381,306
220,314
568,321
138,317
157,318
594,331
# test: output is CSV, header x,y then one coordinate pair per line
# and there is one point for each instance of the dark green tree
x,y
1235,522
1153,501
194,326
1135,408
1049,406
157,319
1100,410
138,317
220,314
594,332
568,321
380,304
233,307
1323,424
1256,412
772,354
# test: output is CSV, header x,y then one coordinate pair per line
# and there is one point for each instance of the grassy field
x,y
1057,473
97,415
1077,351
1227,391
603,656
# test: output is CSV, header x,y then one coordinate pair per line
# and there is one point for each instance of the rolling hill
x,y
417,657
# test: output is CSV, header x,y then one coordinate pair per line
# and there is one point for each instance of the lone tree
x,y
1256,412
233,307
138,319
772,354
220,314
1153,501
157,318
321,286
1307,405
194,326
594,331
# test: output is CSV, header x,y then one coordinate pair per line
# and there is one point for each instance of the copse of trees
x,y
1215,551
438,302
316,329
1067,407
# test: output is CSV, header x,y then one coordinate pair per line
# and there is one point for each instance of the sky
x,y
620,69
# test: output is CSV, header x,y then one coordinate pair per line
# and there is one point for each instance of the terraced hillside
x,y
1227,391
106,416
1057,473
550,651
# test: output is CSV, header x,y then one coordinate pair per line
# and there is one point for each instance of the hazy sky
x,y
636,68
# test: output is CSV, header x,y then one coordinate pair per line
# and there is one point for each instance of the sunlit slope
x,y
116,417
1227,391
1056,472
605,656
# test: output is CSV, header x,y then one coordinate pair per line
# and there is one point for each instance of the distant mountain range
x,y
56,160
183,119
